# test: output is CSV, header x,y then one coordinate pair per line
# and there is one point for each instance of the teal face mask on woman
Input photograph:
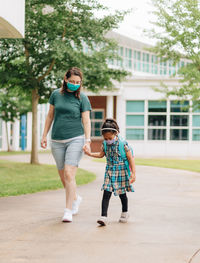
x,y
73,87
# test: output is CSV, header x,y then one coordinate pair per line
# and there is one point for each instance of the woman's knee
x,y
69,174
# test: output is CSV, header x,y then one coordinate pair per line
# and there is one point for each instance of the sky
x,y
13,12
138,20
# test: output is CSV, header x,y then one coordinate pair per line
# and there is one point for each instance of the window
x,y
163,68
135,134
156,134
97,117
145,63
137,60
179,119
154,64
128,58
135,106
196,122
172,68
121,54
178,134
135,120
157,106
196,134
178,106
157,120
157,117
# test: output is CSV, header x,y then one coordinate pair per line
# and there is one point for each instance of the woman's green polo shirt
x,y
67,115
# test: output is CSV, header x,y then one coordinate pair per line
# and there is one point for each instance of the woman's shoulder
x,y
56,91
83,95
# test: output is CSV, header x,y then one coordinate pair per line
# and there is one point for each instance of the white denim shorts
x,y
68,152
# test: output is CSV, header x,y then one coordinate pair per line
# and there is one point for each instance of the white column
x,y
15,139
29,131
121,115
109,107
4,138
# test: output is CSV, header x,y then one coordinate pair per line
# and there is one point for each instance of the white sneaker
x,y
124,217
102,220
67,215
76,204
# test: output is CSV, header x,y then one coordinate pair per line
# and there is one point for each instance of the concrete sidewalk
x,y
163,227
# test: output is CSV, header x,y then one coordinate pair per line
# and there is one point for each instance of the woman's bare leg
x,y
70,184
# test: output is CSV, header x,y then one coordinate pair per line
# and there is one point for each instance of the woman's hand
x,y
87,148
44,142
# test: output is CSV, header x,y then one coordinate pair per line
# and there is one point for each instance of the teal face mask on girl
x,y
73,87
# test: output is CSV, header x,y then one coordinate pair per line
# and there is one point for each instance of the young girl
x,y
116,178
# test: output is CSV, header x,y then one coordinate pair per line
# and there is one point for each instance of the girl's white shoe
x,y
102,220
67,215
124,217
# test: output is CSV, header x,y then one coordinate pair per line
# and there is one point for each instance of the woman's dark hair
x,y
72,71
109,125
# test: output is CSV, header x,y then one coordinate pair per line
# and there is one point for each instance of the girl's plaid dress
x,y
116,175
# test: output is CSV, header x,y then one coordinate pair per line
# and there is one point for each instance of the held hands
x,y
87,149
132,178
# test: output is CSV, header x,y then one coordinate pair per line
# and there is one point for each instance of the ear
x,y
65,78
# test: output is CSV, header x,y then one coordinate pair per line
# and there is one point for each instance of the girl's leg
x,y
105,202
124,201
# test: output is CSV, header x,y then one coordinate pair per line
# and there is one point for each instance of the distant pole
x,y
23,132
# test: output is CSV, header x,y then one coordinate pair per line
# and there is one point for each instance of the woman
x,y
70,111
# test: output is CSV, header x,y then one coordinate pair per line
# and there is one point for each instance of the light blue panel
x,y
135,120
135,134
135,106
196,135
196,120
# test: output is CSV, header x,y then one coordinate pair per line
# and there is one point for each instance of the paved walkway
x,y
164,225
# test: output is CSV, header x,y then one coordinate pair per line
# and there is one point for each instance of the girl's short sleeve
x,y
85,103
126,147
51,99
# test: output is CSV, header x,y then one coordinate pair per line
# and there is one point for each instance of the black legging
x,y
106,199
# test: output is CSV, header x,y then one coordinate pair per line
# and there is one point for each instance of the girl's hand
x,y
44,142
132,178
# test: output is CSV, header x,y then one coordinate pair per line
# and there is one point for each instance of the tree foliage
x,y
56,35
177,30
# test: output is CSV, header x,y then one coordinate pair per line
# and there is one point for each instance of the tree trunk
x,y
34,150
8,143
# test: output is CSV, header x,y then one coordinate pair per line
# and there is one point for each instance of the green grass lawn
x,y
190,165
23,178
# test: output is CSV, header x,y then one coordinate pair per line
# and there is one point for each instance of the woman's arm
x,y
47,126
87,128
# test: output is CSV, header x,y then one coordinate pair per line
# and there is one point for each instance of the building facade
x,y
153,125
